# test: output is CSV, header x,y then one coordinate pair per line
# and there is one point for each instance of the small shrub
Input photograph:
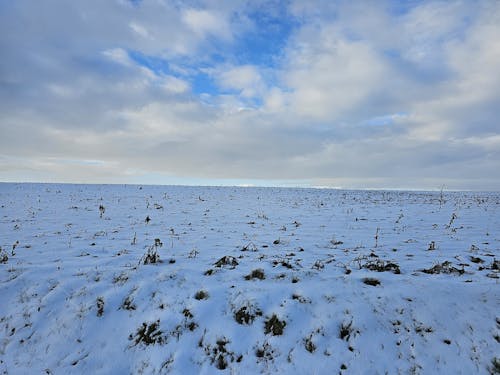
x,y
445,268
226,261
345,331
301,299
120,279
274,326
246,314
421,329
151,256
476,260
189,323
283,263
250,247
452,219
148,334
201,294
495,366
191,326
371,281
473,248
382,266
221,362
495,265
256,274
335,242
264,352
128,304
3,256
16,244
318,265
100,306
259,352
220,355
309,345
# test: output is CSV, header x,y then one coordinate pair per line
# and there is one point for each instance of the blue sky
x,y
383,94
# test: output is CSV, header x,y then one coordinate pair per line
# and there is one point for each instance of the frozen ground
x,y
247,280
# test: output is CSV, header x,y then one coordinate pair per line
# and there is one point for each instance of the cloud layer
x,y
364,94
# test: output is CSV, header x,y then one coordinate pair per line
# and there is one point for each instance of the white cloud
x,y
246,79
140,30
205,23
118,55
465,104
175,85
427,26
329,75
275,100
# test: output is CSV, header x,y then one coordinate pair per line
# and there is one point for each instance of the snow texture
x,y
102,279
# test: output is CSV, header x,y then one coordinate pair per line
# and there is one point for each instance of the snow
x,y
75,292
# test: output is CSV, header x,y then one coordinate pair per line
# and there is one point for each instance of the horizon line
x,y
315,187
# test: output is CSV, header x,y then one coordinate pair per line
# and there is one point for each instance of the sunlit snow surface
x,y
77,298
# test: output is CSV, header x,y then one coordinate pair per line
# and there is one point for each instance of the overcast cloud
x,y
310,93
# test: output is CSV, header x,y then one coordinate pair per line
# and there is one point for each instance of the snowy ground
x,y
248,280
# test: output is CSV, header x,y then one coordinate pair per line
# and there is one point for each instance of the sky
x,y
363,94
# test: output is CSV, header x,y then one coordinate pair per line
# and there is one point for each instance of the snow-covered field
x,y
99,279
